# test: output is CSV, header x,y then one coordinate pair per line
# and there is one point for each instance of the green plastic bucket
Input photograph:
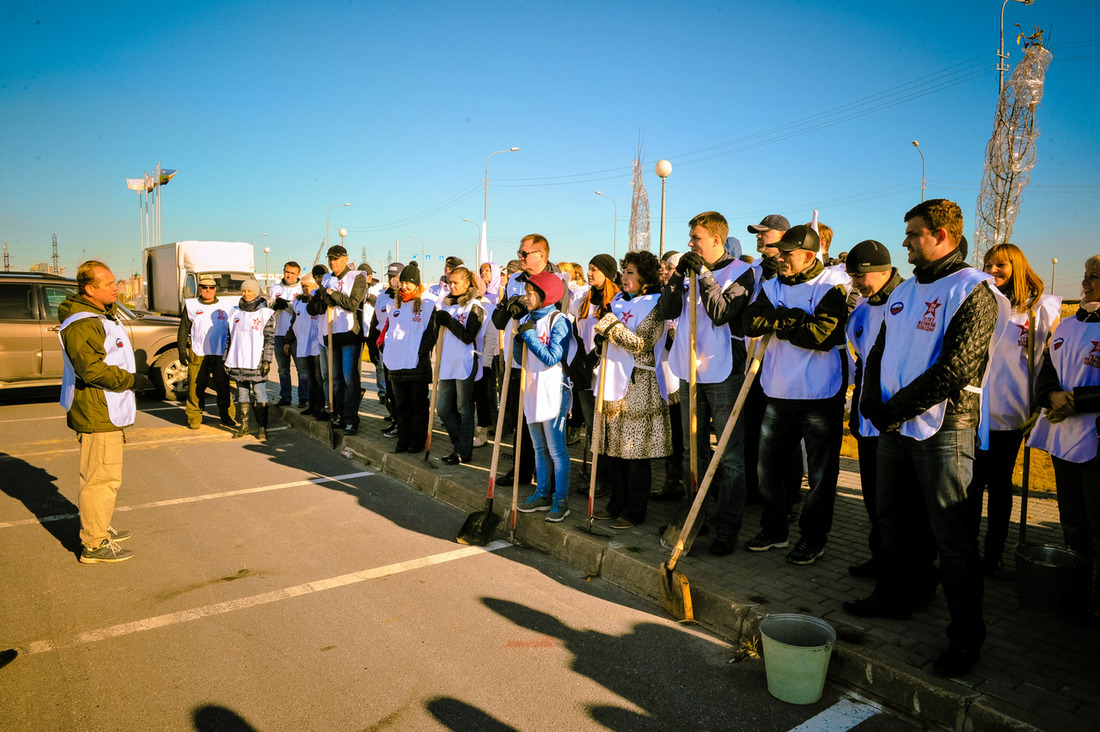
x,y
797,649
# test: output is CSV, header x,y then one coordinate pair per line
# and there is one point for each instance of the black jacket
x,y
964,356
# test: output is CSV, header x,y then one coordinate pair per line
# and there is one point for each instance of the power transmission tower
x,y
7,262
1011,153
56,269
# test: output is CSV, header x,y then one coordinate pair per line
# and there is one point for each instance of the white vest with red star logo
x,y
457,358
1009,403
307,331
792,372
542,393
246,337
404,332
864,324
620,362
713,343
916,320
209,326
1075,354
342,320
121,405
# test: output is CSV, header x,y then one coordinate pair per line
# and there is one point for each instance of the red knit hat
x,y
550,285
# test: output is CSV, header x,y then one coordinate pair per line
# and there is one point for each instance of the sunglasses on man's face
x,y
208,287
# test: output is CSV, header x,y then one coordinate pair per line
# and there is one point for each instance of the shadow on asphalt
x,y
662,671
214,718
461,717
35,488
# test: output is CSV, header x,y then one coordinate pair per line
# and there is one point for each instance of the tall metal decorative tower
x,y
1011,154
638,233
55,268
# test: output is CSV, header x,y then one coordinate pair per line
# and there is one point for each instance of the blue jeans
x,y
282,360
548,440
713,405
787,422
346,382
456,411
923,510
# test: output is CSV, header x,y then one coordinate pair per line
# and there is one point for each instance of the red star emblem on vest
x,y
626,317
932,307
1095,347
544,338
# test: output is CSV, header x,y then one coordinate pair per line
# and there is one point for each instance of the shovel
x,y
333,436
597,438
435,392
518,440
479,525
675,590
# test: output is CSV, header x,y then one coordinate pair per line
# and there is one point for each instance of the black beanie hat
x,y
411,273
606,264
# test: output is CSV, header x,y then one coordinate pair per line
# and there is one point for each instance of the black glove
x,y
280,304
524,327
141,383
769,267
265,366
303,297
690,262
442,318
516,307
185,360
599,342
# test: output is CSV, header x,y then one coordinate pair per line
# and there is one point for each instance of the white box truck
x,y
172,271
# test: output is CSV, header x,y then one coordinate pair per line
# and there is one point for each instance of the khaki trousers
x,y
203,371
100,477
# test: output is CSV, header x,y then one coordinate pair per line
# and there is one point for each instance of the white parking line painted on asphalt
x,y
844,715
31,419
205,497
183,616
130,445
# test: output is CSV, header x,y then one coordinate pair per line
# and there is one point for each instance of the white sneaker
x,y
481,436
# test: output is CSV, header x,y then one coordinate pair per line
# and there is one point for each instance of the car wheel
x,y
169,375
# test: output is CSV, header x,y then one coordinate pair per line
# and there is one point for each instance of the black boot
x,y
242,412
261,420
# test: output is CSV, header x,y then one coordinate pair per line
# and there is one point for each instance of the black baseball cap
x,y
771,221
799,237
337,251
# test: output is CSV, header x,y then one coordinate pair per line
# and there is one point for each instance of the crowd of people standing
x,y
944,375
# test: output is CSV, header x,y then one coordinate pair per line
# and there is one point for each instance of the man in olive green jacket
x,y
96,390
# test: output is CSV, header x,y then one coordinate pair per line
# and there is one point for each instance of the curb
x,y
927,699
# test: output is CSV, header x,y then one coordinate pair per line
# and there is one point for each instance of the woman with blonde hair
x,y
587,310
1011,377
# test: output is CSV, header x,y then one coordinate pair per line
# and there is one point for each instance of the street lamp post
x,y
1002,57
664,170
615,231
923,183
267,268
342,232
328,226
485,219
1053,267
477,246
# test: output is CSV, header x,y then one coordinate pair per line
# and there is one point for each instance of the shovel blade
x,y
333,436
478,529
676,594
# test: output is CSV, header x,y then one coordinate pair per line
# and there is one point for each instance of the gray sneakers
x,y
535,503
107,551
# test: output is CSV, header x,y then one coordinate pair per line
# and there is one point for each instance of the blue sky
x,y
275,111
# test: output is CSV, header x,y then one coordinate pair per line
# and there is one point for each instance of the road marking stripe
x,y
844,715
183,616
194,499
